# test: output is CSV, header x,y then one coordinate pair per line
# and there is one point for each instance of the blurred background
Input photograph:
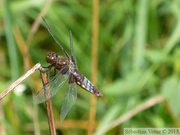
x,y
138,67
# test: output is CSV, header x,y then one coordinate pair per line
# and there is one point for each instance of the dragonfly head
x,y
51,57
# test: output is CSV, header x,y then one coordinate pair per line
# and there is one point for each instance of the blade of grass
x,y
12,50
141,32
147,104
174,36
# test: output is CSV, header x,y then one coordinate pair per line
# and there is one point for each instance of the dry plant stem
x,y
38,21
151,102
67,124
2,118
18,81
48,106
95,18
23,48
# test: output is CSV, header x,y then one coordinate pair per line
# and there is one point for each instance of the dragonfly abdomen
x,y
84,83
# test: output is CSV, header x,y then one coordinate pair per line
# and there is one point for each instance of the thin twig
x,y
95,31
18,81
51,122
151,102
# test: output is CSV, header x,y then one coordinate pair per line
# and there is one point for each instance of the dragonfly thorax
x,y
58,61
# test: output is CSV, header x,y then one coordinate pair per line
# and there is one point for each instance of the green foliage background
x,y
138,59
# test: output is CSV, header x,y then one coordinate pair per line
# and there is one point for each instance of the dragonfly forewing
x,y
50,89
73,56
69,99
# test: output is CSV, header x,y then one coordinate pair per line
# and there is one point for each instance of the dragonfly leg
x,y
54,71
48,68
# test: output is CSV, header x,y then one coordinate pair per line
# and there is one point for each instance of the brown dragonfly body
x,y
67,67
67,70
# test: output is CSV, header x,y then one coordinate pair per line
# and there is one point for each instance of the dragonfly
x,y
67,71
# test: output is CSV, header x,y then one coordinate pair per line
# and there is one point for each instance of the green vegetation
x,y
138,61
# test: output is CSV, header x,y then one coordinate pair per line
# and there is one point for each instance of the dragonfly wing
x,y
50,89
73,56
69,99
